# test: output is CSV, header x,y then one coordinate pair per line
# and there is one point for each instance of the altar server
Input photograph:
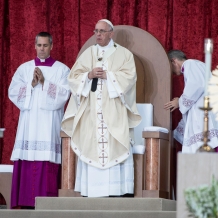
x,y
189,131
40,90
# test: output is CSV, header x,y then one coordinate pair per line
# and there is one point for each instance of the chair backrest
x,y
153,69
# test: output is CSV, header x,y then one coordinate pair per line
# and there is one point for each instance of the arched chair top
x,y
152,65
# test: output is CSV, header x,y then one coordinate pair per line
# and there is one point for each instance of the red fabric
x,y
181,24
177,89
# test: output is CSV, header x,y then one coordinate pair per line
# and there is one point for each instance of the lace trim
x,y
199,137
22,94
187,102
180,130
38,146
52,89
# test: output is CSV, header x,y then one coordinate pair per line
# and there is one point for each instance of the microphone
x,y
94,84
95,80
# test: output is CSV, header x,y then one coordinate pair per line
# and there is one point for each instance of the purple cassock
x,y
34,178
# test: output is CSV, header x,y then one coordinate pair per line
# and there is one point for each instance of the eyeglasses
x,y
101,31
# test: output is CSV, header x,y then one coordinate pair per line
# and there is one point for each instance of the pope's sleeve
x,y
121,81
55,94
20,90
194,85
78,80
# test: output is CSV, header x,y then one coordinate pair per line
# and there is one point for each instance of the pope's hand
x,y
172,104
97,72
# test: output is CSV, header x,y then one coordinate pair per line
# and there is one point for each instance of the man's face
x,y
176,66
43,47
103,38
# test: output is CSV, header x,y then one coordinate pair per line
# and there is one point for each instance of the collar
x,y
182,67
105,48
48,62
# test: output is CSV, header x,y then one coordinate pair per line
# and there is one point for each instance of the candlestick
x,y
208,49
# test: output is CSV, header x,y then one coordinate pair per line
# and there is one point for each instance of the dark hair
x,y
177,54
44,34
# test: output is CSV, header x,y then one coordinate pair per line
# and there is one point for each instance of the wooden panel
x,y
155,194
152,164
68,165
68,193
155,135
5,187
164,168
64,135
138,174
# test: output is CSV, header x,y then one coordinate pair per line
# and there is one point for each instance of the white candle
x,y
208,49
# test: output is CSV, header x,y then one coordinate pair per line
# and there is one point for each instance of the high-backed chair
x,y
153,86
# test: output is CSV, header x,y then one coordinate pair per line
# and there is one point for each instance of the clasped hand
x,y
97,72
172,104
37,77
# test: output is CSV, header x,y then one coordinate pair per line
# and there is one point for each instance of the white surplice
x,y
116,180
41,112
189,131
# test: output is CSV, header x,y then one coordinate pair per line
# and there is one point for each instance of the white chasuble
x,y
103,144
41,112
95,182
189,131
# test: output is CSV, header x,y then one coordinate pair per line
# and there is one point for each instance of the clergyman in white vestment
x,y
189,131
39,88
100,124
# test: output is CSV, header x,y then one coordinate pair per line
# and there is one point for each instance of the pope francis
x,y
101,115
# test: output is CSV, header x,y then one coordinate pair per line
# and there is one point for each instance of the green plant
x,y
202,202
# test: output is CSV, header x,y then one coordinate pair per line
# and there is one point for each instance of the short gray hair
x,y
177,54
44,34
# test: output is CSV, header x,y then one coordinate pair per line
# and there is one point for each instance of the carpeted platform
x,y
96,208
